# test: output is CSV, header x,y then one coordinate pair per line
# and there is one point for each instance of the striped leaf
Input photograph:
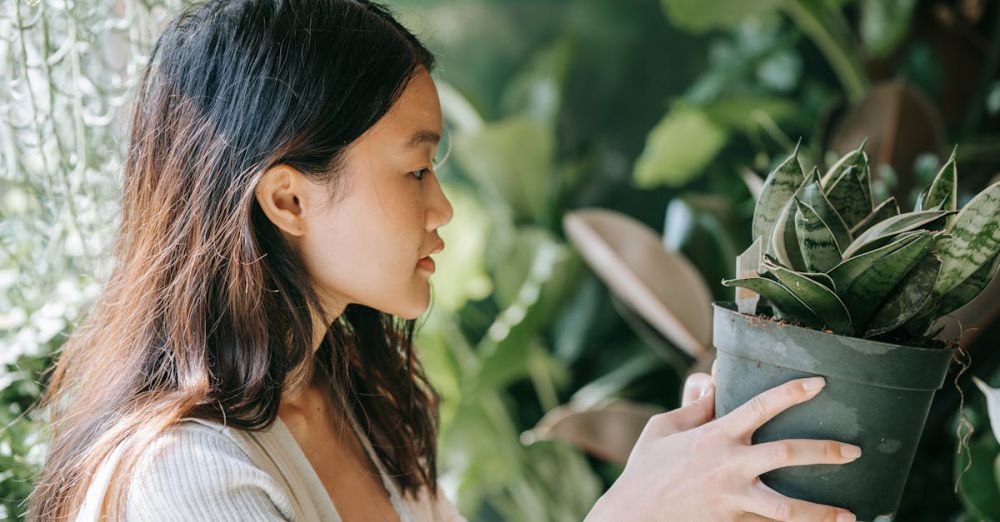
x,y
848,270
884,232
779,186
967,290
819,248
785,303
887,209
821,300
942,194
911,296
812,194
857,159
974,241
870,288
848,198
784,244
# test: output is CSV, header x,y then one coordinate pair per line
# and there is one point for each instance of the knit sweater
x,y
202,470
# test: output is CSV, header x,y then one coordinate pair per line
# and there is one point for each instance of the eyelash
x,y
425,170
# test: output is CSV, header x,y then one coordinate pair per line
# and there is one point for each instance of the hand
x,y
688,466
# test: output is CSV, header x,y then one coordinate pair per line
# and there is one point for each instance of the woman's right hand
x,y
688,466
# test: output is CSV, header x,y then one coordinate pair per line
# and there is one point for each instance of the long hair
x,y
208,312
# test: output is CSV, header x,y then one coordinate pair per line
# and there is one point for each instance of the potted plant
x,y
852,290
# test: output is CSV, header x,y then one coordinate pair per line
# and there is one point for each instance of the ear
x,y
281,194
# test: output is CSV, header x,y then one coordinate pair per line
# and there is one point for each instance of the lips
x,y
437,248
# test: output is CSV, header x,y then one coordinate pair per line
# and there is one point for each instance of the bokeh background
x,y
667,111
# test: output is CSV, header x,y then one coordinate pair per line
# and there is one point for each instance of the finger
x,y
751,415
767,502
769,456
715,369
694,387
682,419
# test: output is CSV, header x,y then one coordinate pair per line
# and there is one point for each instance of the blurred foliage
x,y
661,109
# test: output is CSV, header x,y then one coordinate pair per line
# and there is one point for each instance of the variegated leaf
x,y
870,288
907,299
848,270
885,231
784,244
967,290
848,198
812,194
781,298
779,186
857,159
821,300
819,248
974,241
942,194
887,209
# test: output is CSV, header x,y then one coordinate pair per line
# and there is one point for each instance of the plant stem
x,y
845,63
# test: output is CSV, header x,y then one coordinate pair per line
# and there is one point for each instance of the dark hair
x,y
207,312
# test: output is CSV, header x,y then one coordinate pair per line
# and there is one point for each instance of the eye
x,y
419,174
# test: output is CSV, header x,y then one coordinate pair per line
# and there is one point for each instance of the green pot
x,y
877,397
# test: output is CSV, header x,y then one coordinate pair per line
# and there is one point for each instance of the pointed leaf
x,y
819,248
848,270
812,194
872,287
887,209
857,159
848,198
781,298
821,300
784,244
967,290
942,194
885,231
908,298
779,186
974,241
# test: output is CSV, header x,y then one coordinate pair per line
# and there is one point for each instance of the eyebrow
x,y
423,136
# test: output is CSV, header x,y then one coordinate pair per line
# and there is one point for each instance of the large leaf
x,y
884,232
679,148
776,195
887,209
967,290
785,303
942,194
819,248
872,287
819,298
908,298
848,198
697,16
974,241
849,269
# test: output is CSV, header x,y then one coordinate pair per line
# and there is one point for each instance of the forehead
x,y
417,110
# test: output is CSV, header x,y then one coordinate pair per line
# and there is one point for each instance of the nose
x,y
439,210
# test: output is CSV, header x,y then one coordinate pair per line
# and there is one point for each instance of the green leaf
x,y
811,193
872,287
776,195
679,148
782,299
974,241
884,231
819,248
823,302
943,191
977,487
887,209
857,159
848,198
908,298
696,16
967,290
849,269
784,244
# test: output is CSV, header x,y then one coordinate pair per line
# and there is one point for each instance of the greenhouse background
x,y
669,112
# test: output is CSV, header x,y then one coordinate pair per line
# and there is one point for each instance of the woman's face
x,y
366,244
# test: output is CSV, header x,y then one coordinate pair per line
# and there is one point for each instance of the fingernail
x,y
846,517
704,391
850,452
813,383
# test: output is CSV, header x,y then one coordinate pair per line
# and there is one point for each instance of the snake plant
x,y
831,259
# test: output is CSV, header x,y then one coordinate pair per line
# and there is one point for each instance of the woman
x,y
251,357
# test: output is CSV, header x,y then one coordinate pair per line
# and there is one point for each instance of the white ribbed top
x,y
202,470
